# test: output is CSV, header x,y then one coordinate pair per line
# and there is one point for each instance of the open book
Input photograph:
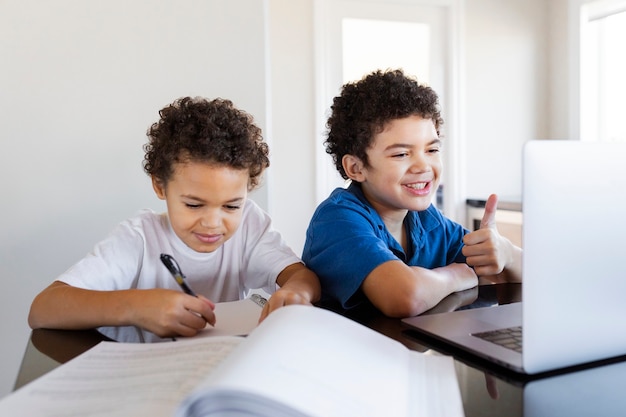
x,y
300,361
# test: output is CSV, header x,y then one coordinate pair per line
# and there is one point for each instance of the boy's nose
x,y
418,163
210,220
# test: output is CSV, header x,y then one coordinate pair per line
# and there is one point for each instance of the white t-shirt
x,y
130,258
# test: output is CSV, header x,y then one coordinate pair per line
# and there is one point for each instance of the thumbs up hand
x,y
485,249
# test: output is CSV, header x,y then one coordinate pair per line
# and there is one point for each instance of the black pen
x,y
171,264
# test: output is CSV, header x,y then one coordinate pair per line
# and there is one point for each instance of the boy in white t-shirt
x,y
203,157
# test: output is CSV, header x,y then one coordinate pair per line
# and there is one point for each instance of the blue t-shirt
x,y
347,239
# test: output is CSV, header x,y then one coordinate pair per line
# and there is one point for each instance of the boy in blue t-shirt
x,y
381,240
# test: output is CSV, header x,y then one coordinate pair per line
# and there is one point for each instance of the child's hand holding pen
x,y
199,310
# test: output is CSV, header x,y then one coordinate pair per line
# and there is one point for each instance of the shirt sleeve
x,y
113,264
343,245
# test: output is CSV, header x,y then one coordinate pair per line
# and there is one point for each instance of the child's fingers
x,y
489,217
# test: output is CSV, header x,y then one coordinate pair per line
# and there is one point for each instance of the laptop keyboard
x,y
510,338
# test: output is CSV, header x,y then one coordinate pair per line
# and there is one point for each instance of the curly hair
x,y
199,130
364,107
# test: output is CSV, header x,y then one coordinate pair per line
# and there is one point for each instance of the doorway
x,y
356,37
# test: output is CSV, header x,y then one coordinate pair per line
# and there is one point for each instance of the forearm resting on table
x,y
61,306
399,290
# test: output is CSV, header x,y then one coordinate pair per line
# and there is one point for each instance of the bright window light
x,y
613,71
369,45
603,65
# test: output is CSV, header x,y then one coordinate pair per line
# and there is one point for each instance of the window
x,y
603,65
379,44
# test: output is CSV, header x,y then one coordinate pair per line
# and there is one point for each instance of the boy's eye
x,y
434,150
232,208
400,155
193,206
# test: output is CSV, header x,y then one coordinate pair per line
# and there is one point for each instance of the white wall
x,y
292,128
506,100
80,82
519,85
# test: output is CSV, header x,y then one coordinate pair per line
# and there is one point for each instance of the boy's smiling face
x,y
204,202
404,167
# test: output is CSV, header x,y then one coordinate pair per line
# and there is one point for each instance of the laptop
x,y
573,308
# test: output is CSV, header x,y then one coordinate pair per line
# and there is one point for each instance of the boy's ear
x,y
353,167
159,187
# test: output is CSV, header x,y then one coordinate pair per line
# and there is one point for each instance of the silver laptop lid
x,y
574,236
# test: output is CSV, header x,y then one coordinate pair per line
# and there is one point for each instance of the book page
x,y
121,379
234,318
434,386
319,363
